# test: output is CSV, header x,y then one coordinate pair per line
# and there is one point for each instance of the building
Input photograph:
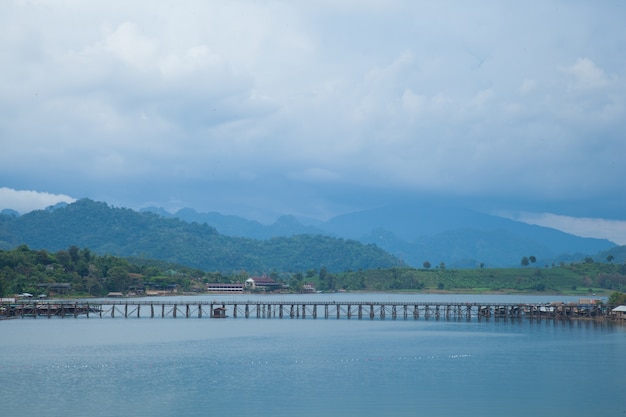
x,y
308,288
262,283
56,288
219,313
224,288
619,312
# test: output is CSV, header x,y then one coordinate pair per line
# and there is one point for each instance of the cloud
x,y
613,230
528,86
314,175
139,101
586,75
24,201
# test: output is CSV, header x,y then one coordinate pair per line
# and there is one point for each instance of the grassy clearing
x,y
578,279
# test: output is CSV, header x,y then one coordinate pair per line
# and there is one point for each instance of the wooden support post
x,y
314,311
326,311
291,312
394,313
360,311
371,311
175,310
338,311
246,311
280,311
200,311
349,311
416,311
382,311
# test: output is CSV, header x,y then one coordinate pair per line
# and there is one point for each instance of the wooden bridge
x,y
300,310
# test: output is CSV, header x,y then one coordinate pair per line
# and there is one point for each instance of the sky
x,y
318,108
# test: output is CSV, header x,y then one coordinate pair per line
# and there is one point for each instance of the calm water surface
x,y
250,367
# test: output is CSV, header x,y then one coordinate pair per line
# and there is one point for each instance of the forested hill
x,y
127,233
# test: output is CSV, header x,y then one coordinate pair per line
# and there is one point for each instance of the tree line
x,y
35,271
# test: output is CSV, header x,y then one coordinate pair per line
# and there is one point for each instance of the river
x,y
313,367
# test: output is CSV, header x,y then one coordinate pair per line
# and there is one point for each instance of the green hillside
x,y
127,233
33,271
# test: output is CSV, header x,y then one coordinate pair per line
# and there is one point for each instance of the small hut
x,y
619,312
219,313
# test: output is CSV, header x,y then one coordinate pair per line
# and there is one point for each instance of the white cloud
x,y
126,43
403,95
528,86
613,230
315,175
587,76
24,201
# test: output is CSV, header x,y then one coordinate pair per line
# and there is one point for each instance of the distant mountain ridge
x,y
240,227
128,233
410,234
423,232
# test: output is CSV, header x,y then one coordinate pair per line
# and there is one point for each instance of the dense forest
x,y
127,233
25,270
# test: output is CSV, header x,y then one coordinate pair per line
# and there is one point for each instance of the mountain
x,y
124,232
423,231
9,212
413,233
615,255
460,237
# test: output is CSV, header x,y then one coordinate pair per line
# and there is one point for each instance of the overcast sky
x,y
316,108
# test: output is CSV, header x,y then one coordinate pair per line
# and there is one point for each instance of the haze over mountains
x,y
422,232
410,234
127,233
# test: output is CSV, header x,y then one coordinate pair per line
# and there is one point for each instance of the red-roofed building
x,y
263,282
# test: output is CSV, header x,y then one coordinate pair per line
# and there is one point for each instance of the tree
x,y
426,264
617,298
323,273
117,279
525,261
532,259
610,258
74,254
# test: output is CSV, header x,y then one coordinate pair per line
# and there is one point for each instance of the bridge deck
x,y
299,309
